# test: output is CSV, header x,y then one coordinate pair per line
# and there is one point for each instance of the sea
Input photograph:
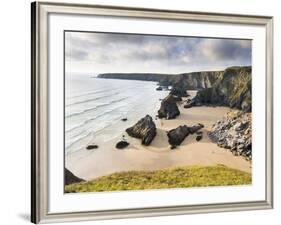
x,y
95,107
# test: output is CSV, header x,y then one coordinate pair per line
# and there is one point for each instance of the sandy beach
x,y
107,159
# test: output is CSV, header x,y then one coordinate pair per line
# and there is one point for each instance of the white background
x,y
15,110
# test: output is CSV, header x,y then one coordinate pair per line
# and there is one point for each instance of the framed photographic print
x,y
147,112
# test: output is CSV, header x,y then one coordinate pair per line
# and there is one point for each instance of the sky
x,y
95,53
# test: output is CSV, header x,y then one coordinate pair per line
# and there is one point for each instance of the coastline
x,y
107,159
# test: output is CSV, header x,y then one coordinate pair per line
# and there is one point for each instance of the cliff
x,y
231,87
190,81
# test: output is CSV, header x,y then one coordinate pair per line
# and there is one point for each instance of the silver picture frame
x,y
39,149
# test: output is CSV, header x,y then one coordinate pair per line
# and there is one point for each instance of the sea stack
x,y
169,108
144,129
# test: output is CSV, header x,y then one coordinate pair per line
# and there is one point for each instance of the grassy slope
x,y
180,177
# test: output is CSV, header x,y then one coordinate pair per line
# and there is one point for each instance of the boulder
x,y
122,144
159,88
199,137
169,108
90,147
124,119
176,136
195,128
144,129
70,178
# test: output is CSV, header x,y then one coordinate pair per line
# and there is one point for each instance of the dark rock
x,y
90,147
193,129
169,108
199,137
176,136
232,89
173,147
70,178
144,129
179,91
124,119
122,144
159,88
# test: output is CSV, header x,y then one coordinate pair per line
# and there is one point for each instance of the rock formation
x,y
178,91
233,89
168,108
91,147
144,129
177,135
122,144
234,132
70,178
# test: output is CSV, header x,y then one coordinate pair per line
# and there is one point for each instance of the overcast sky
x,y
105,52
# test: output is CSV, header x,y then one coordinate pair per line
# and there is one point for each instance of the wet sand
x,y
107,159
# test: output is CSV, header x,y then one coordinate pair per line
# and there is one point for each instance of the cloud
x,y
110,52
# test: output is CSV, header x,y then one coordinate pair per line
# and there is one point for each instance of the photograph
x,y
145,111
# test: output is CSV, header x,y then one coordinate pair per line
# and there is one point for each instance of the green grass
x,y
181,177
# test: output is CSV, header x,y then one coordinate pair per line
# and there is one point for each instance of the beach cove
x,y
107,159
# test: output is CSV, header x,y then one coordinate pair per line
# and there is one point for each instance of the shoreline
x,y
91,164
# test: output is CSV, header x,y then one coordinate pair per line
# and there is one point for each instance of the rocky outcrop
x,y
178,91
177,135
70,178
234,132
169,108
144,129
121,144
91,147
233,89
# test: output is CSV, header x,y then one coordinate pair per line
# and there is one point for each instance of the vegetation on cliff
x,y
181,177
233,89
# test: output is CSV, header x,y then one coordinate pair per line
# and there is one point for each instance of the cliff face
x,y
233,89
135,76
190,81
